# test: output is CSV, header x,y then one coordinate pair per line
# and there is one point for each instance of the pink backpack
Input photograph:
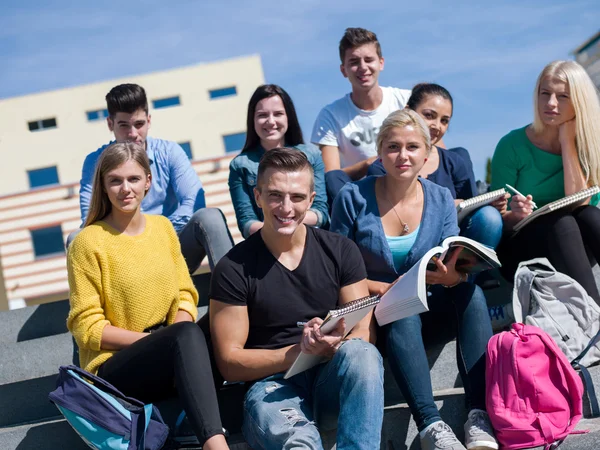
x,y
533,395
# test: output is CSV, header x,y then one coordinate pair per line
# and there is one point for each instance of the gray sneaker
x,y
440,437
479,434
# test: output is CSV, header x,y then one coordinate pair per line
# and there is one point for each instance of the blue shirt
x,y
455,172
355,214
400,246
176,190
242,181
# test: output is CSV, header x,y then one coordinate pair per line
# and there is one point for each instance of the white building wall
x,y
198,120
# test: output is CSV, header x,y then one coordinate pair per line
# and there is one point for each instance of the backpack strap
x,y
587,378
142,426
524,277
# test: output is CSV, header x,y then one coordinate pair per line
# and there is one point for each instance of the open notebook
x,y
352,313
408,296
556,205
464,208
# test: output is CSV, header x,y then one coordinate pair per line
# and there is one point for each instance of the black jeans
x,y
567,238
172,359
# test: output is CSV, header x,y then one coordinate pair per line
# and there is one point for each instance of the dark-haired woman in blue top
x,y
272,122
451,168
395,219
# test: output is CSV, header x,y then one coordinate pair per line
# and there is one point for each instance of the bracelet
x,y
460,280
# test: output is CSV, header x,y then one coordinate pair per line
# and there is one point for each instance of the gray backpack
x,y
561,307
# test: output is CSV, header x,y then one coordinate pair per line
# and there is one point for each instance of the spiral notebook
x,y
556,205
352,312
466,206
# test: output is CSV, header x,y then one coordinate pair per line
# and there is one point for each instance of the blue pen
x,y
301,324
514,191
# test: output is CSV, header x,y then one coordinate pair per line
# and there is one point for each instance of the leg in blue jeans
x,y
346,393
408,360
205,234
334,181
483,225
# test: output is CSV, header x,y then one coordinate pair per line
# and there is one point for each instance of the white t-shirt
x,y
354,131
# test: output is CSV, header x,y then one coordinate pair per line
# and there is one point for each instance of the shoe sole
x,y
485,445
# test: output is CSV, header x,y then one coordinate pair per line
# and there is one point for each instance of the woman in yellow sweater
x,y
133,303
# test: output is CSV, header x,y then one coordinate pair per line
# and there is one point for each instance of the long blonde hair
x,y
400,119
112,157
584,97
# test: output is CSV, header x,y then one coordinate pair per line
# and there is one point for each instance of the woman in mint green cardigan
x,y
557,155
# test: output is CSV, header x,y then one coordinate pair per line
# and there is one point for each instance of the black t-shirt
x,y
278,298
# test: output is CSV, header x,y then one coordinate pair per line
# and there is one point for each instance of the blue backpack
x,y
104,417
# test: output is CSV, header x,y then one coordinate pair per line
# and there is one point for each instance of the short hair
x,y
355,37
112,157
423,90
126,98
400,119
284,159
293,135
585,101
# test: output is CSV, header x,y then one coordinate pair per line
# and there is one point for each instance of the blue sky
x,y
487,56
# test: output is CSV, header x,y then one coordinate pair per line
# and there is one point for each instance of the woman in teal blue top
x,y
395,219
557,155
272,122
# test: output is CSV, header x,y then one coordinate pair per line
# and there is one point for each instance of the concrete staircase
x,y
34,341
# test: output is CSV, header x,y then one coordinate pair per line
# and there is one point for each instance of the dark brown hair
x,y
126,98
293,135
284,159
355,37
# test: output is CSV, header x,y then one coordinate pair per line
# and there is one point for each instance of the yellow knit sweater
x,y
130,282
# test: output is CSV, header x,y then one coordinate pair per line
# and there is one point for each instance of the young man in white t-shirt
x,y
346,130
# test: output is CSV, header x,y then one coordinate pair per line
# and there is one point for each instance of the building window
x,y
42,177
187,148
166,102
224,92
234,142
44,124
47,241
97,115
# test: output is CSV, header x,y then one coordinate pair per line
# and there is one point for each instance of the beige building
x,y
45,137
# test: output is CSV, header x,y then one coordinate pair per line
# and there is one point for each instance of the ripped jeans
x,y
346,393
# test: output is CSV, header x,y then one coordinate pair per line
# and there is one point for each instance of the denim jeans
x,y
345,393
408,361
334,182
206,233
483,225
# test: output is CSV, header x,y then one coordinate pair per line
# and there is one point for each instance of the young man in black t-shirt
x,y
284,274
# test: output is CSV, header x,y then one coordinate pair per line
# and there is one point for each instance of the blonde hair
x,y
400,119
112,157
585,101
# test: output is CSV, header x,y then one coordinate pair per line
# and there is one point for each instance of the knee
x,y
208,216
564,224
470,295
490,217
186,332
364,362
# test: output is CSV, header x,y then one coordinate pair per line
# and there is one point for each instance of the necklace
x,y
405,227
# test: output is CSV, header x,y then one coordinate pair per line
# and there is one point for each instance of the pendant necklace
x,y
405,227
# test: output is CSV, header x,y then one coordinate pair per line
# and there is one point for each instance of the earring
x,y
426,159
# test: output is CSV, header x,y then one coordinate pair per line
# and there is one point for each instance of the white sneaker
x,y
439,436
479,434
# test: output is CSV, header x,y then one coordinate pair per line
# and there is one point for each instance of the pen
x,y
301,324
514,191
